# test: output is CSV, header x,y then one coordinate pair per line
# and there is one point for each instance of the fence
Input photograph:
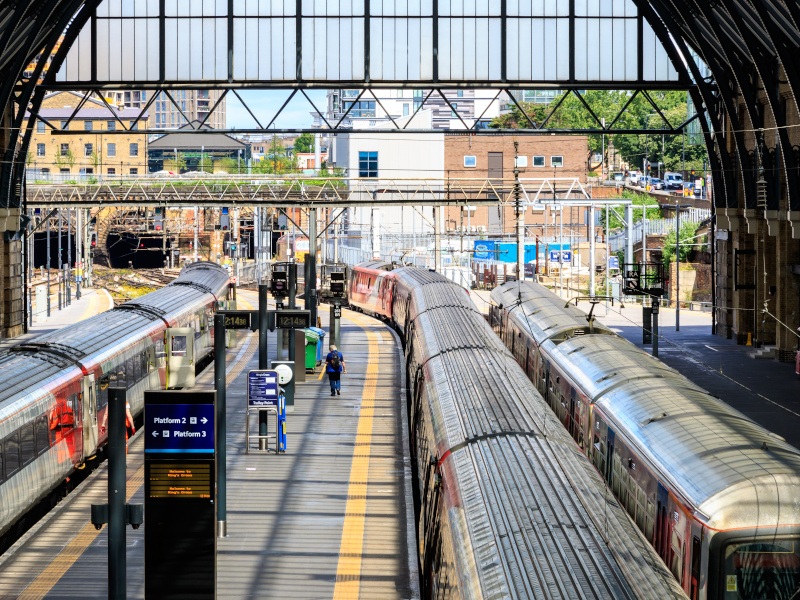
x,y
617,241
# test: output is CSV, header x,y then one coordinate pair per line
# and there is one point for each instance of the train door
x,y
179,347
662,522
574,412
88,412
609,466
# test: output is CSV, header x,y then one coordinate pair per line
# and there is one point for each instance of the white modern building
x,y
387,166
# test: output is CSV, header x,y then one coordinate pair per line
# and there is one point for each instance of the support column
x,y
12,311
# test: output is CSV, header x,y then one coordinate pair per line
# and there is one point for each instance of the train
x,y
55,386
716,495
506,504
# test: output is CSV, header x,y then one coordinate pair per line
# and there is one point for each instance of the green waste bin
x,y
312,339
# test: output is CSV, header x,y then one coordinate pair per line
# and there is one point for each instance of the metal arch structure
x,y
746,88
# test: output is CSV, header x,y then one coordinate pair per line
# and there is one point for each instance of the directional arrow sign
x,y
174,431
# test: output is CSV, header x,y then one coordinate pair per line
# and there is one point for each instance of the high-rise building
x,y
188,106
460,110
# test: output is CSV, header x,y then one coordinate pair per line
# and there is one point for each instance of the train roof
x,y
538,520
721,461
376,265
542,313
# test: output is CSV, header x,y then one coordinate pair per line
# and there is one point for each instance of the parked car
x,y
656,183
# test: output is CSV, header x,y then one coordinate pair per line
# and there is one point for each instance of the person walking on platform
x,y
335,367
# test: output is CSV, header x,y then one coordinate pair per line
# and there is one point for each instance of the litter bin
x,y
312,340
320,343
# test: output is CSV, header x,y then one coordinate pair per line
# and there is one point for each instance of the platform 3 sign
x,y
179,467
179,428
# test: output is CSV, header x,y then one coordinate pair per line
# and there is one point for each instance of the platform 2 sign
x,y
180,498
179,428
262,389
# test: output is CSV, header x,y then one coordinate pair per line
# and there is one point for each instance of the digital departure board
x,y
180,480
292,319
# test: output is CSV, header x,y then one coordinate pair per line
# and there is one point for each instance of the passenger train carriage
x,y
717,495
55,387
507,506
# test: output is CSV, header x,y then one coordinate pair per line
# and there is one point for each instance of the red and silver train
x,y
54,389
716,495
506,504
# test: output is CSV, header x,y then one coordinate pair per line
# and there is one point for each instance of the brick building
x,y
93,150
561,159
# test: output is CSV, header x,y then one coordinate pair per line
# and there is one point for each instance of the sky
x,y
266,103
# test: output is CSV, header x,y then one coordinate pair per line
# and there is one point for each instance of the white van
x,y
673,181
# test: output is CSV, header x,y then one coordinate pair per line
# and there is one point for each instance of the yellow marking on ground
x,y
322,372
47,579
348,571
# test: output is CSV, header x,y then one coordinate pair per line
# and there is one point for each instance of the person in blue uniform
x,y
335,366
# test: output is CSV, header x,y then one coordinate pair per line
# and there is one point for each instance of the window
x,y
64,149
40,151
111,125
39,126
88,149
362,108
134,171
367,164
111,150
454,112
556,161
134,125
64,125
538,161
134,149
112,171
87,125
11,454
405,109
470,162
459,93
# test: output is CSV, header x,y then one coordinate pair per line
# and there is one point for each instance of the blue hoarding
x,y
179,428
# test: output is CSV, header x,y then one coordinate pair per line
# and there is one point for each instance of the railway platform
x,y
330,518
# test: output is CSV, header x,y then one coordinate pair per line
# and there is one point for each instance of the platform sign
x,y
179,428
292,319
238,319
180,493
262,389
560,256
613,262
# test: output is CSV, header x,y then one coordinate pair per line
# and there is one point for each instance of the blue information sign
x,y
179,428
262,388
561,256
613,262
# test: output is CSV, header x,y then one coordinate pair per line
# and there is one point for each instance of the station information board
x,y
292,319
262,389
180,494
180,480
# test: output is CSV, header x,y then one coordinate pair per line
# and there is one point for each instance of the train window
x,y
130,372
2,462
676,562
178,345
42,441
649,522
135,367
27,445
121,377
640,508
102,392
11,454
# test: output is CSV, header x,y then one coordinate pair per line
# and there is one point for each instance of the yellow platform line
x,y
348,571
47,579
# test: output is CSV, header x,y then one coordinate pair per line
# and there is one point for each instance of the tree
x,y
65,159
205,163
687,245
304,143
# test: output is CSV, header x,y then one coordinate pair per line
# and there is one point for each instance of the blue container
x,y
320,342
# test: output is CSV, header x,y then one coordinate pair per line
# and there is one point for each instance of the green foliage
x,y
205,164
229,165
304,143
687,243
65,160
639,114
